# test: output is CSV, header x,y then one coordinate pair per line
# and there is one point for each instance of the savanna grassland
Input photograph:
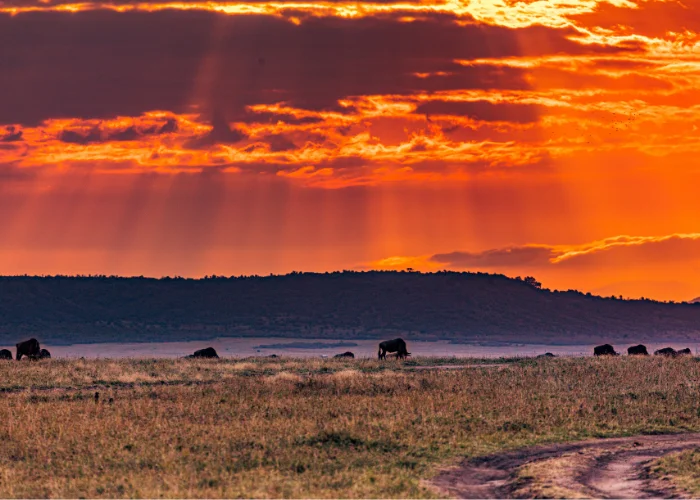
x,y
310,428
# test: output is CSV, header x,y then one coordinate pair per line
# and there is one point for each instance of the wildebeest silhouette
x,y
29,348
637,350
683,352
208,352
666,351
44,354
397,345
346,354
5,354
547,355
604,350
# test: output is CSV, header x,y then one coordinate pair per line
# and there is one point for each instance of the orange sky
x,y
554,138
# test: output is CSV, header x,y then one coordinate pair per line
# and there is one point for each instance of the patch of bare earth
x,y
604,468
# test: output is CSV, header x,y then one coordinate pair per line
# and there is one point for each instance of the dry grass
x,y
681,469
545,478
308,428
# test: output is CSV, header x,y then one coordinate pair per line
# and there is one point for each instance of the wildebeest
x,y
683,352
637,350
208,352
397,345
5,354
44,354
347,354
604,350
547,355
666,351
29,348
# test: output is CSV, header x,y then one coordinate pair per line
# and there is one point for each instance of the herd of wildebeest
x,y
639,350
635,350
29,348
396,347
32,350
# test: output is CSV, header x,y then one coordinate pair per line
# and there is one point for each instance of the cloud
x,y
268,117
615,251
78,137
653,18
59,67
11,134
220,133
482,110
30,5
84,132
279,142
633,250
524,256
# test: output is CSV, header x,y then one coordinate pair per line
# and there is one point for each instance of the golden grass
x,y
308,428
681,469
543,479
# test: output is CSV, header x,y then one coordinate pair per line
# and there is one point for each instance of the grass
x,y
681,469
309,428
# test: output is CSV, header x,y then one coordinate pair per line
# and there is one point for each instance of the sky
x,y
552,138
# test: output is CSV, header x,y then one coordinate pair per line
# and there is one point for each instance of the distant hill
x,y
345,305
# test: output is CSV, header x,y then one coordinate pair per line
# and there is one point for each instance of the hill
x,y
347,305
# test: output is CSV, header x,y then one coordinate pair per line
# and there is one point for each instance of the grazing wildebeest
x,y
604,350
397,345
208,352
637,350
5,354
44,354
547,355
347,354
29,348
666,351
685,351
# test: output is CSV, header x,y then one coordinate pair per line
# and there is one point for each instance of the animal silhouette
x,y
604,350
347,354
29,348
637,350
397,345
208,352
666,351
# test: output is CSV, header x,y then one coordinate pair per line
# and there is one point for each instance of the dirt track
x,y
604,468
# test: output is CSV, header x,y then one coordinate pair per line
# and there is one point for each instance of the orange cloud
x,y
555,13
610,251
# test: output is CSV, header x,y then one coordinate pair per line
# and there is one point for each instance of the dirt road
x,y
603,468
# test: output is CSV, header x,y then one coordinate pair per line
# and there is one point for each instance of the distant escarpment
x,y
341,305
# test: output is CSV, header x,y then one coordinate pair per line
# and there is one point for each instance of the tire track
x,y
603,468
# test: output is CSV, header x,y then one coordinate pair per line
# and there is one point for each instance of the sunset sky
x,y
553,138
